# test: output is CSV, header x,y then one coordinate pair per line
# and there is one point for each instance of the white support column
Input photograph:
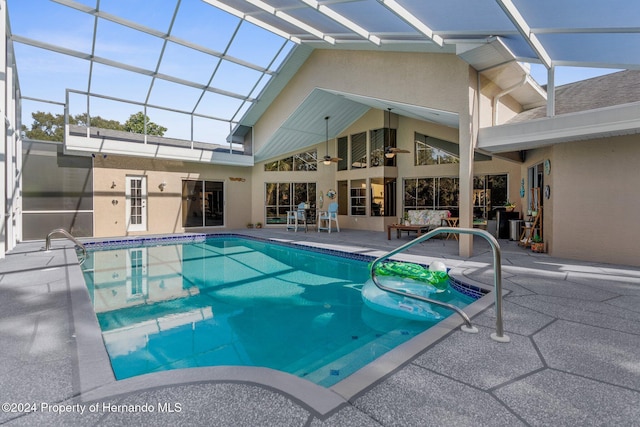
x,y
10,162
468,137
5,161
551,91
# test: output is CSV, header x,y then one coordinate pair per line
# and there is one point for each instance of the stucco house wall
x,y
164,208
595,196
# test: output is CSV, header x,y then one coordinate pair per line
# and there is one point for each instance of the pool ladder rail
x,y
47,245
498,335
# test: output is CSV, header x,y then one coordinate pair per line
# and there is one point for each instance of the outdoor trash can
x,y
514,228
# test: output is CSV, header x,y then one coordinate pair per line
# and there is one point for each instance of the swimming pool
x,y
227,300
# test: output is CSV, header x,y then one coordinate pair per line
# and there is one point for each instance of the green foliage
x,y
45,127
136,123
537,238
50,127
98,122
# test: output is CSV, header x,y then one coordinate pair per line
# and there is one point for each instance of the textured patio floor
x,y
573,358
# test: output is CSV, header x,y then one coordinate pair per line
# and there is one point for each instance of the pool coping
x,y
95,379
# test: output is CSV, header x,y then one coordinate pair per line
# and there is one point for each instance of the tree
x,y
97,122
136,123
49,127
46,127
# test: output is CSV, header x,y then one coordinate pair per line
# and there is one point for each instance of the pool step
x,y
345,360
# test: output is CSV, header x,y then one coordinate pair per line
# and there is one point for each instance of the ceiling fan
x,y
392,151
327,159
389,151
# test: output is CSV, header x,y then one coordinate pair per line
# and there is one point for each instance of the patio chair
x,y
297,217
325,218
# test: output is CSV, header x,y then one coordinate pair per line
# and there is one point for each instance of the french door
x,y
136,203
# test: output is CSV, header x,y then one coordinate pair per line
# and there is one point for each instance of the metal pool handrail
x,y
497,277
47,245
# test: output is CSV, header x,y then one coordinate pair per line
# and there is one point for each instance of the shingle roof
x,y
604,91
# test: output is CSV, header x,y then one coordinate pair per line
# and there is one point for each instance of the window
x,y
383,197
202,203
358,197
306,161
359,150
380,139
489,192
343,153
343,197
429,151
431,193
281,197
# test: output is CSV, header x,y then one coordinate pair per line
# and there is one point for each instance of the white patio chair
x,y
325,218
297,217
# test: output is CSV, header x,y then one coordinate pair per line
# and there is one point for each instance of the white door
x,y
136,264
136,203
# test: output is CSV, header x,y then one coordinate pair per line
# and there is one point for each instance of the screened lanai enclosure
x,y
188,80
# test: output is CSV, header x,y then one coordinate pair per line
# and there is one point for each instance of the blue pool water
x,y
233,301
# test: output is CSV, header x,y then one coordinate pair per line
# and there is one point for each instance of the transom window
x,y
307,161
429,152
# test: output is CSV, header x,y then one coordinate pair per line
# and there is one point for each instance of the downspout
x,y
507,91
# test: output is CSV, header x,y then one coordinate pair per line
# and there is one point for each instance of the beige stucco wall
x,y
427,79
596,197
164,213
506,109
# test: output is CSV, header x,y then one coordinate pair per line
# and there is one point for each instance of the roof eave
x,y
585,125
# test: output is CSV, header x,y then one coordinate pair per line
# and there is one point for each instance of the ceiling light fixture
x,y
389,151
327,159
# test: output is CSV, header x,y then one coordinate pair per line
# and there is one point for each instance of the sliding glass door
x,y
202,203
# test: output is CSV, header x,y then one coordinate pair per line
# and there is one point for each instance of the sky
x,y
45,75
565,75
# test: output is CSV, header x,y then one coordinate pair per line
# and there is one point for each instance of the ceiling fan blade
x,y
394,150
335,159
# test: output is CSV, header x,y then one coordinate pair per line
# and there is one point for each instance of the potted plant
x,y
249,225
258,225
537,244
510,206
406,218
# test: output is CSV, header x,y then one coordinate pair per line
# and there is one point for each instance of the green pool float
x,y
408,270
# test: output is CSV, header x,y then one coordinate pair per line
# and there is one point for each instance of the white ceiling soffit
x,y
496,61
432,115
306,127
584,125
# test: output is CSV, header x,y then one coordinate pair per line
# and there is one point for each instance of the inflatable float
x,y
409,278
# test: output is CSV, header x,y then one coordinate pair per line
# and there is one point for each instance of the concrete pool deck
x,y
573,358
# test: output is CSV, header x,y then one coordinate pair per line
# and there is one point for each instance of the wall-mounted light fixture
x,y
114,202
162,185
113,184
